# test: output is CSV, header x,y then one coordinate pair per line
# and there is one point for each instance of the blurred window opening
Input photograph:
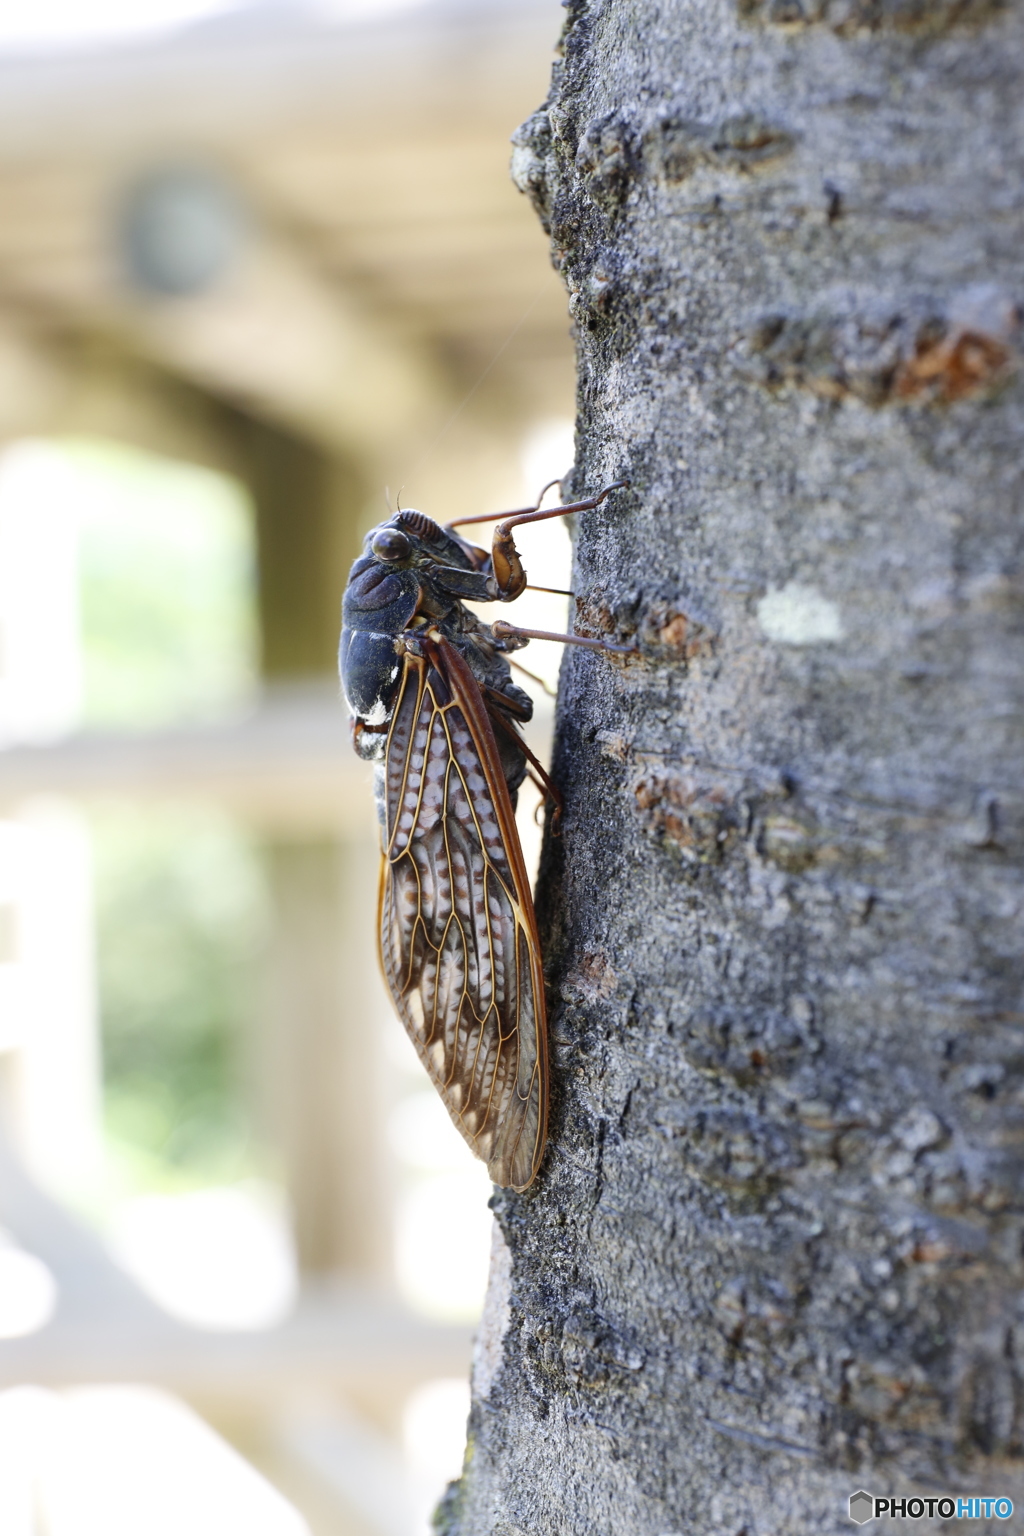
x,y
218,1258
127,590
168,583
434,1435
41,685
49,1067
8,936
547,452
126,1461
28,1292
442,1219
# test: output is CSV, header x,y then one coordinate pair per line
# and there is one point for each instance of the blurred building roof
x,y
386,255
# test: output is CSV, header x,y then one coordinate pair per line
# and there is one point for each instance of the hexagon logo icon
x,y
862,1506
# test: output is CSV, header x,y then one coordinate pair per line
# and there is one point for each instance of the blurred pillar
x,y
308,506
322,1070
324,1057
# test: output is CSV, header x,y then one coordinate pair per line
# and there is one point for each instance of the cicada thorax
x,y
413,574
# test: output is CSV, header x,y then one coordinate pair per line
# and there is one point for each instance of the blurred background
x,y
262,271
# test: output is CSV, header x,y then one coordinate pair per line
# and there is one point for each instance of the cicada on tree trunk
x,y
434,706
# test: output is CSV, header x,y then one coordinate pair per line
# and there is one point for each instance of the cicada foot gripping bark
x,y
434,706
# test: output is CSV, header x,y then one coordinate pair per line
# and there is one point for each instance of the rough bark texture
x,y
775,1252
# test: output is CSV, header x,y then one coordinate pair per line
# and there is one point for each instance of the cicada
x,y
434,706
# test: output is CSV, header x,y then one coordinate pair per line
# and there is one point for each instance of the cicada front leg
x,y
507,571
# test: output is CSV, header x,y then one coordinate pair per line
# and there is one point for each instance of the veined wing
x,y
458,936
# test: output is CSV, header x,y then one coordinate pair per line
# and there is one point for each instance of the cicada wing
x,y
458,935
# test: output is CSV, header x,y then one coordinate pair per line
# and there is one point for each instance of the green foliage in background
x,y
181,919
167,563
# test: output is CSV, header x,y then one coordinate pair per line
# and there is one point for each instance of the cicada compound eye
x,y
391,544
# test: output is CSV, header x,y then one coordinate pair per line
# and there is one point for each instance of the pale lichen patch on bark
x,y
797,614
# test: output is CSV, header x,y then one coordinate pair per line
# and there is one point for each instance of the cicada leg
x,y
506,565
502,631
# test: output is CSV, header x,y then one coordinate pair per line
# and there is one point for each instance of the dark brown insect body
x,y
434,704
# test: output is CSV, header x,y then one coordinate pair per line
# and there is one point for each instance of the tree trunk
x,y
774,1253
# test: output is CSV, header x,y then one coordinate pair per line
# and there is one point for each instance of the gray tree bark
x,y
775,1251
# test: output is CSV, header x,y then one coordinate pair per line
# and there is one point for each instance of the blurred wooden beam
x,y
287,765
335,1341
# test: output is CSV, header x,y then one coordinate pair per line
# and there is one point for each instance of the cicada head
x,y
411,539
403,577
